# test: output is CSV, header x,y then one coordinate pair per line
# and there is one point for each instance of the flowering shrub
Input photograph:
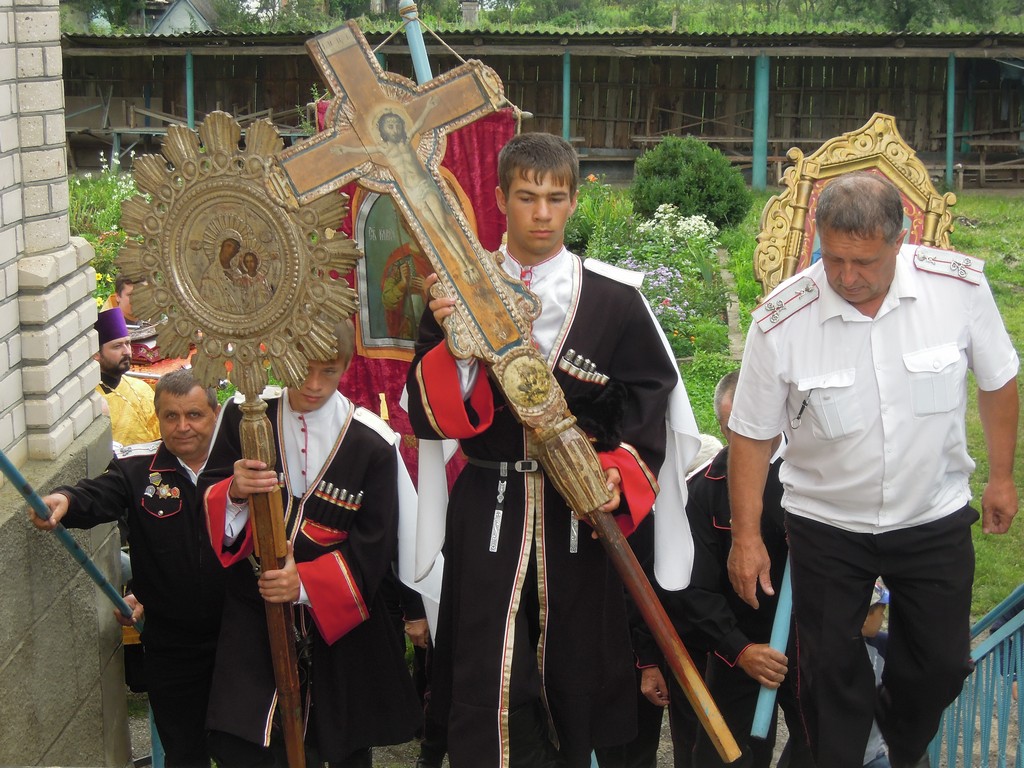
x,y
683,283
598,206
94,212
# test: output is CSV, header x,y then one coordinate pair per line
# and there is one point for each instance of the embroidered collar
x,y
532,275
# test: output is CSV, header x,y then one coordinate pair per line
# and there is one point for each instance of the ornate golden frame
x,y
786,226
234,272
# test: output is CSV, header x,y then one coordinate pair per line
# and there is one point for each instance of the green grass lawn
x,y
990,226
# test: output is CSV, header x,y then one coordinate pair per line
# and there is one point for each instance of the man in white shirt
x,y
862,361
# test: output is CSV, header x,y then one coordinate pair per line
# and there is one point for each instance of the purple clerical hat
x,y
110,325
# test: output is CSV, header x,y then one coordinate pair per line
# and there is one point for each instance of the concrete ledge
x,y
60,658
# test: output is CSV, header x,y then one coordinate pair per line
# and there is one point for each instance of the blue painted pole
x,y
190,90
950,116
414,35
759,169
65,538
779,640
566,94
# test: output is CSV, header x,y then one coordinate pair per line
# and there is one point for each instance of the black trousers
x,y
232,752
736,693
641,752
178,682
929,570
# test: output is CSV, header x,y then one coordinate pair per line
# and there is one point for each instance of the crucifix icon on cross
x,y
389,133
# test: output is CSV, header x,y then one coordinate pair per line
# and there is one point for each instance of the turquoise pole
x,y
414,35
190,91
779,640
759,170
950,116
39,507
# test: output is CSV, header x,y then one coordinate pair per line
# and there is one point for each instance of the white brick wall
x,y
36,26
49,410
30,62
44,164
46,307
47,233
9,134
8,317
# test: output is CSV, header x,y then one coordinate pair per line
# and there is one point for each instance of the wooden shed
x,y
612,93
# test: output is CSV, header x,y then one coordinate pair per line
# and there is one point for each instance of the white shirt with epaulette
x,y
881,442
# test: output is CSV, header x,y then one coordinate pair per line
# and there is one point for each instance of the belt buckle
x,y
526,465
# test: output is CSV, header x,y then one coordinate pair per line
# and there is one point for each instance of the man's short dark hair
x,y
861,204
725,388
180,383
121,281
533,156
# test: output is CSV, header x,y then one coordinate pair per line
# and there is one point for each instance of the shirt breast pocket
x,y
937,379
162,508
834,409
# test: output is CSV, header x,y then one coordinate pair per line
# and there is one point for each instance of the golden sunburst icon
x,y
245,276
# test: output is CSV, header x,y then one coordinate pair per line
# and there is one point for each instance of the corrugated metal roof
x,y
544,31
635,41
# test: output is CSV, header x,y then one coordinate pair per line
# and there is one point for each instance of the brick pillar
x,y
60,658
55,281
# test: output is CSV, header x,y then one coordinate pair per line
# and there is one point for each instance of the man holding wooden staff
x,y
337,473
533,665
862,360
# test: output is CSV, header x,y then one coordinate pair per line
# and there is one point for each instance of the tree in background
x,y
684,15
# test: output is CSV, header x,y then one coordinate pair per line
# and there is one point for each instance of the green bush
x,y
693,177
94,212
701,376
598,206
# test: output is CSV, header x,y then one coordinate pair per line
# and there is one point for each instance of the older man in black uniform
x,y
176,575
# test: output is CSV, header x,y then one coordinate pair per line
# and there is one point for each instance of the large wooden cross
x,y
389,134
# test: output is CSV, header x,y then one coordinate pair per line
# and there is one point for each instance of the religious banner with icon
x,y
389,277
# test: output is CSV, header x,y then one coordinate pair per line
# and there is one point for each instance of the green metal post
x,y
566,92
950,116
190,91
759,170
967,124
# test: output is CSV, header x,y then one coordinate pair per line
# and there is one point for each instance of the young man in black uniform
x,y
533,645
337,472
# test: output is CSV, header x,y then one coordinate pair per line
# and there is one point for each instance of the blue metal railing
x,y
986,703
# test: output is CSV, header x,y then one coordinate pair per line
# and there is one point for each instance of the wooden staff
x,y
266,514
679,661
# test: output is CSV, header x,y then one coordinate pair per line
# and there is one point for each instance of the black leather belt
x,y
522,466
